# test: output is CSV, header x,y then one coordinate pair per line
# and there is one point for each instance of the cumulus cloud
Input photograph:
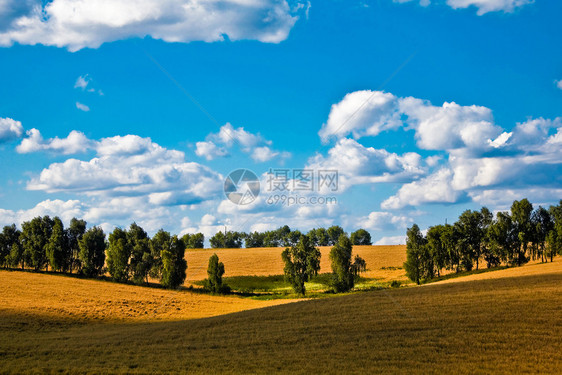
x,y
76,24
358,164
392,240
74,143
383,221
132,166
66,210
10,129
217,144
483,6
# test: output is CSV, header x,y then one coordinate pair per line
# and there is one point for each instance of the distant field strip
x,y
267,261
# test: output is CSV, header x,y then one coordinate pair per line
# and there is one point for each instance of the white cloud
x,y
383,221
10,129
82,82
74,143
356,164
483,6
76,24
209,150
435,188
217,145
559,84
132,166
362,113
66,210
392,240
82,107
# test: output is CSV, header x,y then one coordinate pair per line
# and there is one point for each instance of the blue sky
x,y
119,112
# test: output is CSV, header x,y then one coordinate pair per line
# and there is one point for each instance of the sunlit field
x,y
506,321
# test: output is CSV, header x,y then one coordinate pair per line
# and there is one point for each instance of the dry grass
x,y
507,321
267,261
26,294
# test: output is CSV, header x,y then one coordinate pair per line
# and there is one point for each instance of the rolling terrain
x,y
506,321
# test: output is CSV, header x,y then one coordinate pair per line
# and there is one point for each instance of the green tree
x,y
359,265
436,247
159,242
334,233
521,215
193,241
555,235
174,265
343,275
56,248
361,237
141,254
118,255
471,235
218,241
542,223
10,247
35,236
215,270
74,234
302,262
254,239
92,247
501,237
415,243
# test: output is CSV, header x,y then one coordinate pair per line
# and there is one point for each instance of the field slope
x,y
507,321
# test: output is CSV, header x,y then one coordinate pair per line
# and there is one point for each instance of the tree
x,y
56,248
471,234
92,247
359,265
450,242
334,233
254,239
501,238
160,241
12,252
436,247
74,234
521,215
361,237
194,241
415,243
35,236
141,255
174,265
118,254
343,276
302,262
215,270
542,223
555,235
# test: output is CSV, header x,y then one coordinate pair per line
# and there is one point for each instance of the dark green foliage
x,y
92,247
118,254
141,255
436,246
521,216
34,238
74,234
415,248
334,233
359,265
11,251
230,240
174,265
343,277
361,237
302,261
193,241
254,239
319,237
542,224
215,270
56,248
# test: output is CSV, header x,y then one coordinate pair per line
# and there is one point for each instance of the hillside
x,y
507,321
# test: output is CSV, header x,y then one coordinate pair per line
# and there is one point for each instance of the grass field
x,y
506,321
383,262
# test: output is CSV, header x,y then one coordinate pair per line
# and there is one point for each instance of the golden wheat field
x,y
383,262
26,294
507,321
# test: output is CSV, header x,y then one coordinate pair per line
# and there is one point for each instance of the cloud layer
x,y
76,24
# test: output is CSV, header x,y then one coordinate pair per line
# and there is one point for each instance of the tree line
x,y
511,238
284,236
128,255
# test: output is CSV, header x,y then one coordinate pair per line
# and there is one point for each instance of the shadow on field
x,y
506,325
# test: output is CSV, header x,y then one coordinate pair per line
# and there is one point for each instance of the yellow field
x,y
267,261
506,321
26,295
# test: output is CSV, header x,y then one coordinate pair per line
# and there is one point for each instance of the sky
x,y
121,111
